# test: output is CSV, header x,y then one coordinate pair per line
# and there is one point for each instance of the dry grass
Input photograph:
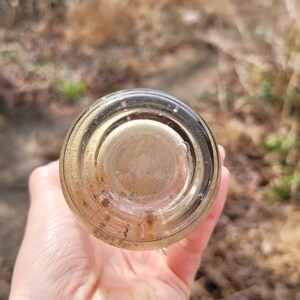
x,y
259,59
105,22
258,44
131,22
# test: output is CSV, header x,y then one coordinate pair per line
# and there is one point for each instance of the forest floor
x,y
49,74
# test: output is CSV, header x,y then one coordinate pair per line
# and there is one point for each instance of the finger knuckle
x,y
37,174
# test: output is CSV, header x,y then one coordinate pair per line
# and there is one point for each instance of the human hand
x,y
58,259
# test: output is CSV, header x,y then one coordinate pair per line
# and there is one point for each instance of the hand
x,y
58,259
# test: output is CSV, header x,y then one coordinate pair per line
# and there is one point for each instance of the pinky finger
x,y
184,257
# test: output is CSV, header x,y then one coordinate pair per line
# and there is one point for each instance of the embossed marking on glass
x,y
139,169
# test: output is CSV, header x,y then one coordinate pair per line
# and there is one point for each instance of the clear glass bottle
x,y
139,169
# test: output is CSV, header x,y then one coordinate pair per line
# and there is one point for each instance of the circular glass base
x,y
139,169
143,165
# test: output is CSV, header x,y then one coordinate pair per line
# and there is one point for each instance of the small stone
x,y
266,248
190,17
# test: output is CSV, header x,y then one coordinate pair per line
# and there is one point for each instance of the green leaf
x,y
288,142
10,54
273,142
72,89
282,187
266,89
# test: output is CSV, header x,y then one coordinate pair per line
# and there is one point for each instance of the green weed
x,y
280,142
282,188
287,185
72,89
10,54
266,89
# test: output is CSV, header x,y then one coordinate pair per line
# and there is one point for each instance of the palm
x,y
60,260
140,275
105,270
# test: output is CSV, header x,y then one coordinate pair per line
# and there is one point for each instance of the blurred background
x,y
236,62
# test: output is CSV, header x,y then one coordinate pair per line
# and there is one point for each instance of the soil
x,y
253,252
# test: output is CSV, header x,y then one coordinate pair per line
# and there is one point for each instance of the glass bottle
x,y
139,169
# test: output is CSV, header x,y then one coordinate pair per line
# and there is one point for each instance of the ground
x,y
47,76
